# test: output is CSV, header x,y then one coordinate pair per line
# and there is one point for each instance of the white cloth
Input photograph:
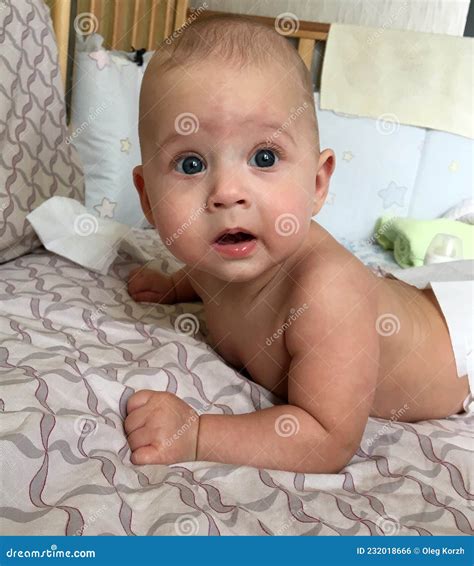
x,y
67,228
453,286
406,77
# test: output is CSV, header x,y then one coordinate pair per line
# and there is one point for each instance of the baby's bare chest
x,y
251,338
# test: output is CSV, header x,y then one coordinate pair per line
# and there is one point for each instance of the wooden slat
x,y
61,19
169,17
153,27
181,13
118,26
96,7
138,22
306,30
306,50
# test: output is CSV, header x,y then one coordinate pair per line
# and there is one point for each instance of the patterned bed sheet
x,y
74,346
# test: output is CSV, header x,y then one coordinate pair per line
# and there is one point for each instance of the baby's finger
x,y
135,420
146,297
146,455
133,272
139,438
139,399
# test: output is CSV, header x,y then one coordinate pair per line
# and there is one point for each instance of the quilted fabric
x,y
36,162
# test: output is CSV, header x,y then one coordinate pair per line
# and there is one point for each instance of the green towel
x,y
409,238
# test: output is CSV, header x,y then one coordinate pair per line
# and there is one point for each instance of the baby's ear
x,y
326,166
139,182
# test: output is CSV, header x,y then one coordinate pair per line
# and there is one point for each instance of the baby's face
x,y
228,150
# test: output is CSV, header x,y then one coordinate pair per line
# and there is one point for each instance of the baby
x,y
229,139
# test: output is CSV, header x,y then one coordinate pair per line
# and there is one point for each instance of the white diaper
x,y
453,285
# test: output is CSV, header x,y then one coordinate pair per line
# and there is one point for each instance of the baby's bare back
x,y
417,372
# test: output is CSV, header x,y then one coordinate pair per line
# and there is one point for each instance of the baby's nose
x,y
226,196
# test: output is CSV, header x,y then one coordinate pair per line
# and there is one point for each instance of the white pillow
x,y
104,128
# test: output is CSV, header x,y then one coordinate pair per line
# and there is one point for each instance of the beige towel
x,y
408,77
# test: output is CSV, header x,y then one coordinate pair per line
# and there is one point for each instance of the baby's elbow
x,y
335,458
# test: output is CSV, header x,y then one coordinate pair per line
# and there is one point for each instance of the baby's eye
x,y
189,165
264,158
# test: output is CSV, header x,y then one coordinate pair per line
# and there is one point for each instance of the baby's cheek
x,y
179,232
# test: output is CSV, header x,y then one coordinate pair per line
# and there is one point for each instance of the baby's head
x,y
229,138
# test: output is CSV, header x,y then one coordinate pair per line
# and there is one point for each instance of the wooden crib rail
x,y
127,24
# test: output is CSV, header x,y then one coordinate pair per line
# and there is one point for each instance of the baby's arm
x,y
331,385
149,285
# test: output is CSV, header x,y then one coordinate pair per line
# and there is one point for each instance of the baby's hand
x,y
161,428
151,286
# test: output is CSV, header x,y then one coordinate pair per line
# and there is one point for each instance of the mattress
x,y
75,346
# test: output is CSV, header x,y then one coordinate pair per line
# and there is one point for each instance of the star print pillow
x,y
376,171
104,118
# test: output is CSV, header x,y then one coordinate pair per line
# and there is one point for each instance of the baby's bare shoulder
x,y
330,274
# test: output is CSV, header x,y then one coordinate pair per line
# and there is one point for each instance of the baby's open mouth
x,y
234,237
